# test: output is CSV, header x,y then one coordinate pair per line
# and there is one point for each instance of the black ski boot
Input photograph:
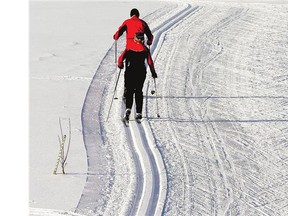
x,y
126,117
138,117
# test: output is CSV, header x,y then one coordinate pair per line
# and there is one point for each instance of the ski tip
x,y
126,122
139,121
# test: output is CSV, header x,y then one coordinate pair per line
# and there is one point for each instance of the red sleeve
x,y
150,61
120,31
148,32
149,41
121,59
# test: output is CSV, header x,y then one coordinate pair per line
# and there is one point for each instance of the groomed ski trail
x,y
153,172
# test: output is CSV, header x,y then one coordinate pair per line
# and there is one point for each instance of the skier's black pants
x,y
134,81
135,75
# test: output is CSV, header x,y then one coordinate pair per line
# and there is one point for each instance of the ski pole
x,y
114,94
116,65
157,109
116,52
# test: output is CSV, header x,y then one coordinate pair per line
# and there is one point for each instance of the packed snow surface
x,y
219,146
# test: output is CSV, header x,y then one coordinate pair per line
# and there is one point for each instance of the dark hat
x,y
133,12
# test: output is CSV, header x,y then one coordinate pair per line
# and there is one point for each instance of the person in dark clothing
x,y
135,75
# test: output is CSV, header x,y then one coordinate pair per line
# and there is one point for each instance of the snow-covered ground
x,y
68,40
220,144
14,108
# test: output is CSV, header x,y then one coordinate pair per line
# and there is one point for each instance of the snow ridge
x,y
50,212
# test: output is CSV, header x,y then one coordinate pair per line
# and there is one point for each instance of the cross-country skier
x,y
132,27
135,75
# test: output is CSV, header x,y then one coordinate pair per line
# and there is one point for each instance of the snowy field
x,y
219,146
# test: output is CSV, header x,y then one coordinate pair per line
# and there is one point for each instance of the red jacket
x,y
132,26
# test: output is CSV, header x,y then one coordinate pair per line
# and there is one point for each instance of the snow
x,y
220,144
67,43
14,109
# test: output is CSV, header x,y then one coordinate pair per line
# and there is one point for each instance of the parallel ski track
x,y
152,199
208,130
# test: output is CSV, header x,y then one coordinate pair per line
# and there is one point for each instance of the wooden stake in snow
x,y
62,156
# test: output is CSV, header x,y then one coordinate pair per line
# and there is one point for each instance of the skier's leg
x,y
139,92
139,100
125,90
129,89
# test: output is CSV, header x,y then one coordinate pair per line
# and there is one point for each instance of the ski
x,y
126,117
138,120
125,121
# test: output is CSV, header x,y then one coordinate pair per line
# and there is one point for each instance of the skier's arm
x,y
121,59
148,33
120,31
151,65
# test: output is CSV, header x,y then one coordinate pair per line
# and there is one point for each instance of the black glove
x,y
154,74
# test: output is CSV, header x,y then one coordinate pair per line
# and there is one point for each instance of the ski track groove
x,y
146,148
139,174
